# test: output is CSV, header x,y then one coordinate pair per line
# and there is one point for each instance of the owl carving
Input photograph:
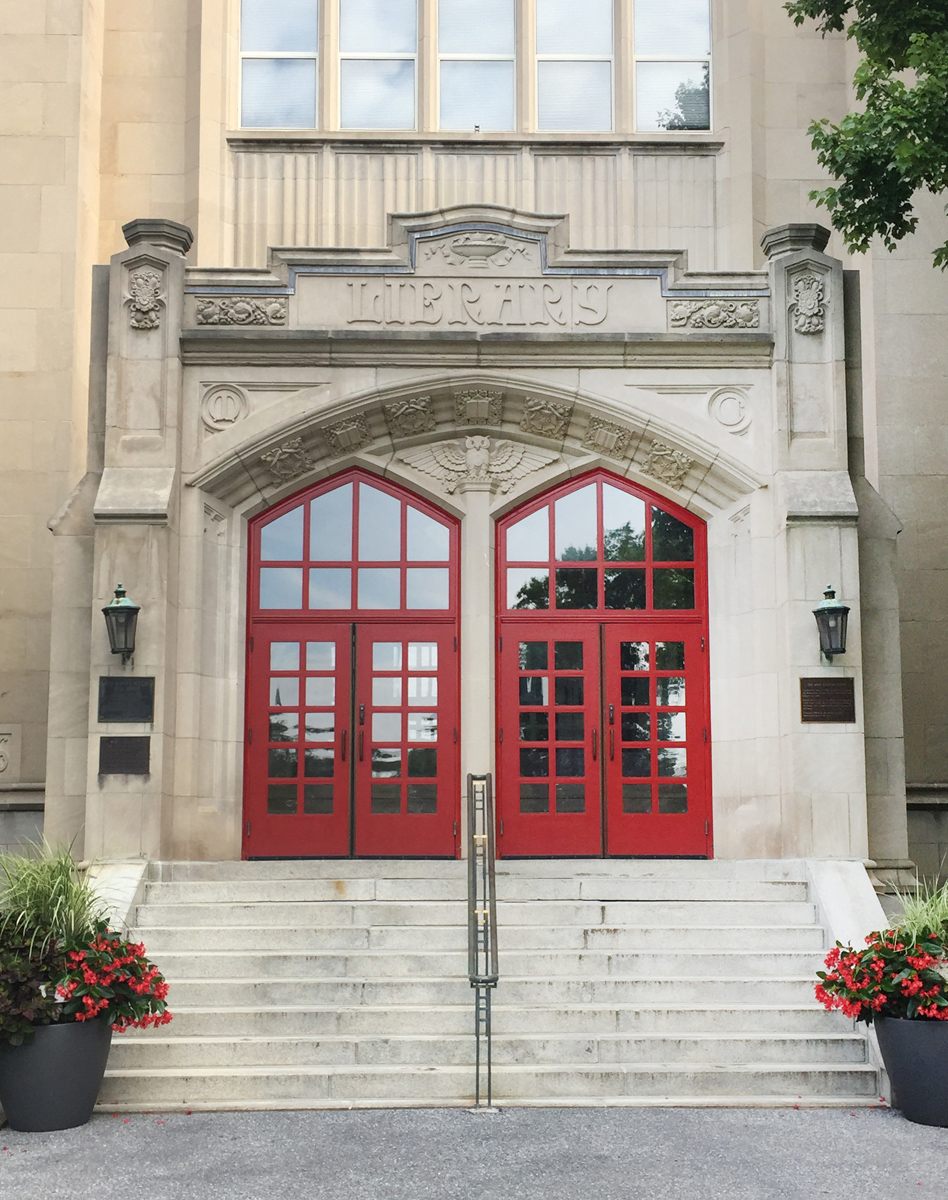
x,y
477,459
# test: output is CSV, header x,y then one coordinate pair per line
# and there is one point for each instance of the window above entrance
x,y
354,545
466,66
599,544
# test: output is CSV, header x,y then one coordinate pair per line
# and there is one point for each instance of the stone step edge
x,y
270,1071
458,926
503,1008
402,952
308,980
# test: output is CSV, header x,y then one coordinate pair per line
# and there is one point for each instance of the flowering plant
x,y
111,974
898,974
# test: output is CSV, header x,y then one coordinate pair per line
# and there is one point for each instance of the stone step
x,y
146,1052
596,888
215,914
512,1084
392,1020
163,940
437,991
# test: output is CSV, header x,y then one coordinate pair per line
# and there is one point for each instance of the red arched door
x,y
352,676
603,728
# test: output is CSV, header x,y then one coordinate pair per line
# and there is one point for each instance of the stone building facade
x,y
316,281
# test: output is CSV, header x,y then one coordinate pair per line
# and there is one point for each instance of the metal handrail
x,y
482,963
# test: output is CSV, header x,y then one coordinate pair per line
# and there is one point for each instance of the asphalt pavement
x,y
453,1154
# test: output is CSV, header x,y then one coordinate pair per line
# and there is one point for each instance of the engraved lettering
x,y
364,304
553,304
592,299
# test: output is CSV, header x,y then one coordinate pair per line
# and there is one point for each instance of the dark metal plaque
x,y
124,755
828,700
129,698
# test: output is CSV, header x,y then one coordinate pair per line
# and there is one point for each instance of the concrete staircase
x,y
316,984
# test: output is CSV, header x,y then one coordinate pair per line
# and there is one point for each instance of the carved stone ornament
x,y
546,418
479,406
145,300
729,407
477,462
478,251
809,313
347,435
714,314
288,461
223,407
667,465
607,437
214,521
408,417
240,310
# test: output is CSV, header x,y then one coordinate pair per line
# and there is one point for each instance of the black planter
x,y
52,1082
915,1054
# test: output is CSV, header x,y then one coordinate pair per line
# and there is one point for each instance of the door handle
x,y
612,744
361,745
595,744
342,751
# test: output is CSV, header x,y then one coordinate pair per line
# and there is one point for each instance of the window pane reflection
x,y
284,656
529,540
427,587
422,727
682,28
477,94
287,25
278,93
623,522
674,587
428,540
577,587
625,588
284,692
377,26
284,727
534,797
330,587
672,95
476,26
281,587
528,588
320,727
672,540
422,656
574,95
331,525
283,538
377,94
565,27
317,798
379,587
379,525
575,524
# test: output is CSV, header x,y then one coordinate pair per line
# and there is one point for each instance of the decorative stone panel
x,y
240,310
546,418
477,462
408,417
714,314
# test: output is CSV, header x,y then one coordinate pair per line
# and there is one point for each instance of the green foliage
x,y
926,907
46,900
898,143
27,995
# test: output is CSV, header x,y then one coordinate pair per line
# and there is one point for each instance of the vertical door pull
x,y
595,744
612,744
342,749
361,744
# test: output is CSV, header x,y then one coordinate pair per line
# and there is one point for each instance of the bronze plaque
x,y
126,698
124,755
827,699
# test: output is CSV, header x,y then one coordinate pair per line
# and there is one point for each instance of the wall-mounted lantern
x,y
121,620
831,620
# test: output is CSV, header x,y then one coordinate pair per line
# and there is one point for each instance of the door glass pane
x,y
330,587
377,26
565,27
320,656
534,726
377,94
378,587
387,656
575,524
636,763
665,29
281,763
278,93
670,656
422,726
568,656
428,540
284,693
672,762
422,797
318,763
282,539
533,656
623,524
672,95
570,797
330,525
674,587
379,525
386,727
477,93
635,727
287,25
673,798
670,727
284,727
281,587
427,587
636,798
571,760
534,762
386,762
670,690
317,798
321,691
534,689
569,690
320,727
633,656
422,691
575,95
529,540
386,798
284,656
625,588
476,26
386,691
423,762
422,656
281,799
528,588
577,587
570,727
635,691
534,797
672,540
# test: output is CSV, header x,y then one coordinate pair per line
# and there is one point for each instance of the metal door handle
x,y
361,745
595,744
612,744
342,751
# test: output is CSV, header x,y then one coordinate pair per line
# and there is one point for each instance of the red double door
x,y
352,740
602,739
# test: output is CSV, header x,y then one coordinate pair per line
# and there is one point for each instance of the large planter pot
x,y
916,1057
52,1081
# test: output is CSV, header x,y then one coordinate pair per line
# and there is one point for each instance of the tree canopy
x,y
897,143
